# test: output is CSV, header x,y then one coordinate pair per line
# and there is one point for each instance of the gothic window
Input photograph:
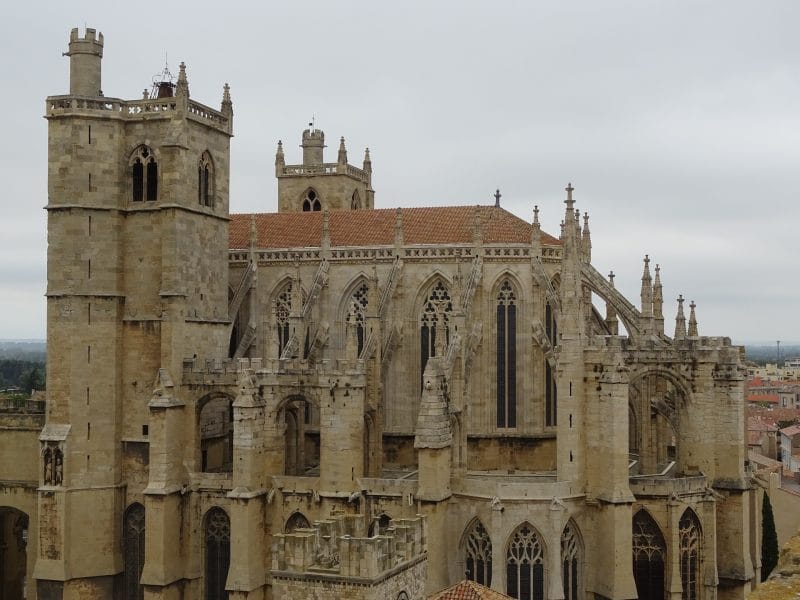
x,y
355,314
571,562
311,201
218,553
355,201
380,525
506,356
283,308
144,175
434,325
133,551
205,181
550,390
649,552
525,565
403,596
295,522
478,555
689,533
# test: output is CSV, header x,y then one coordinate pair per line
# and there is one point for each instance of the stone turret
x,y
85,57
313,146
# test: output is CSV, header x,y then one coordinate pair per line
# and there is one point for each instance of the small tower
x,y
316,185
85,55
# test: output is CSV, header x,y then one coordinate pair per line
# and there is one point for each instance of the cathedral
x,y
342,401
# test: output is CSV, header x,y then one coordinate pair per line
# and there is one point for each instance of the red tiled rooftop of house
x,y
759,424
376,227
771,398
791,431
468,590
772,414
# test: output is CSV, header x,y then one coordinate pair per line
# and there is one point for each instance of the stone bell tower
x,y
136,281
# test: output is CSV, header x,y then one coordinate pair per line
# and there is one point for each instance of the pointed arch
x,y
310,200
281,309
525,560
14,536
691,544
205,180
296,520
217,546
133,531
434,320
143,174
572,561
477,550
352,311
506,303
649,556
355,201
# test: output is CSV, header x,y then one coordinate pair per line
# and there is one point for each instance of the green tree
x,y
769,539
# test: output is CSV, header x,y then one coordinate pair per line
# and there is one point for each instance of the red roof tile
x,y
772,398
791,431
468,590
426,225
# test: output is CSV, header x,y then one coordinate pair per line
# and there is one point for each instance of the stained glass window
x,y
525,565
649,551
478,559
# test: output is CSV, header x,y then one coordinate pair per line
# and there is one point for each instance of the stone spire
x,y
182,89
536,234
647,289
658,302
280,159
692,321
611,313
226,108
398,227
326,229
586,239
433,420
367,161
253,233
477,229
497,196
680,321
342,152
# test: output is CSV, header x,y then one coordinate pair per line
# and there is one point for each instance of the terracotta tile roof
x,y
791,431
772,415
759,424
423,225
772,398
468,590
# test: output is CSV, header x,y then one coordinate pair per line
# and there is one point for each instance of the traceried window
x,y
205,181
355,201
689,532
506,356
283,308
355,314
550,389
525,565
133,551
649,551
571,562
311,201
218,553
144,175
478,555
434,325
296,521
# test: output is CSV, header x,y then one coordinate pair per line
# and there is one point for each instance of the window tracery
x,y
355,314
434,324
144,175
283,308
525,565
690,539
205,181
550,389
478,551
506,345
571,561
649,551
296,521
311,201
133,551
218,553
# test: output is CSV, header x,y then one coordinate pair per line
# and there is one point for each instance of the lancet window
x,y
550,389
205,181
434,324
571,562
506,343
649,552
355,201
690,539
525,565
133,551
218,553
355,315
283,308
478,555
144,175
311,201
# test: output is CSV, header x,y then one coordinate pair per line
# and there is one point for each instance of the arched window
x,y
649,551
311,201
296,521
380,525
355,315
283,308
133,551
355,201
205,181
434,325
506,356
144,175
690,538
550,389
216,435
218,553
14,531
571,562
478,555
525,565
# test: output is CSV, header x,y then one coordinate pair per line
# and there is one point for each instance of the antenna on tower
x,y
163,82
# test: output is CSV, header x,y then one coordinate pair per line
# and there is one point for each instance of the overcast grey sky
x,y
677,122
